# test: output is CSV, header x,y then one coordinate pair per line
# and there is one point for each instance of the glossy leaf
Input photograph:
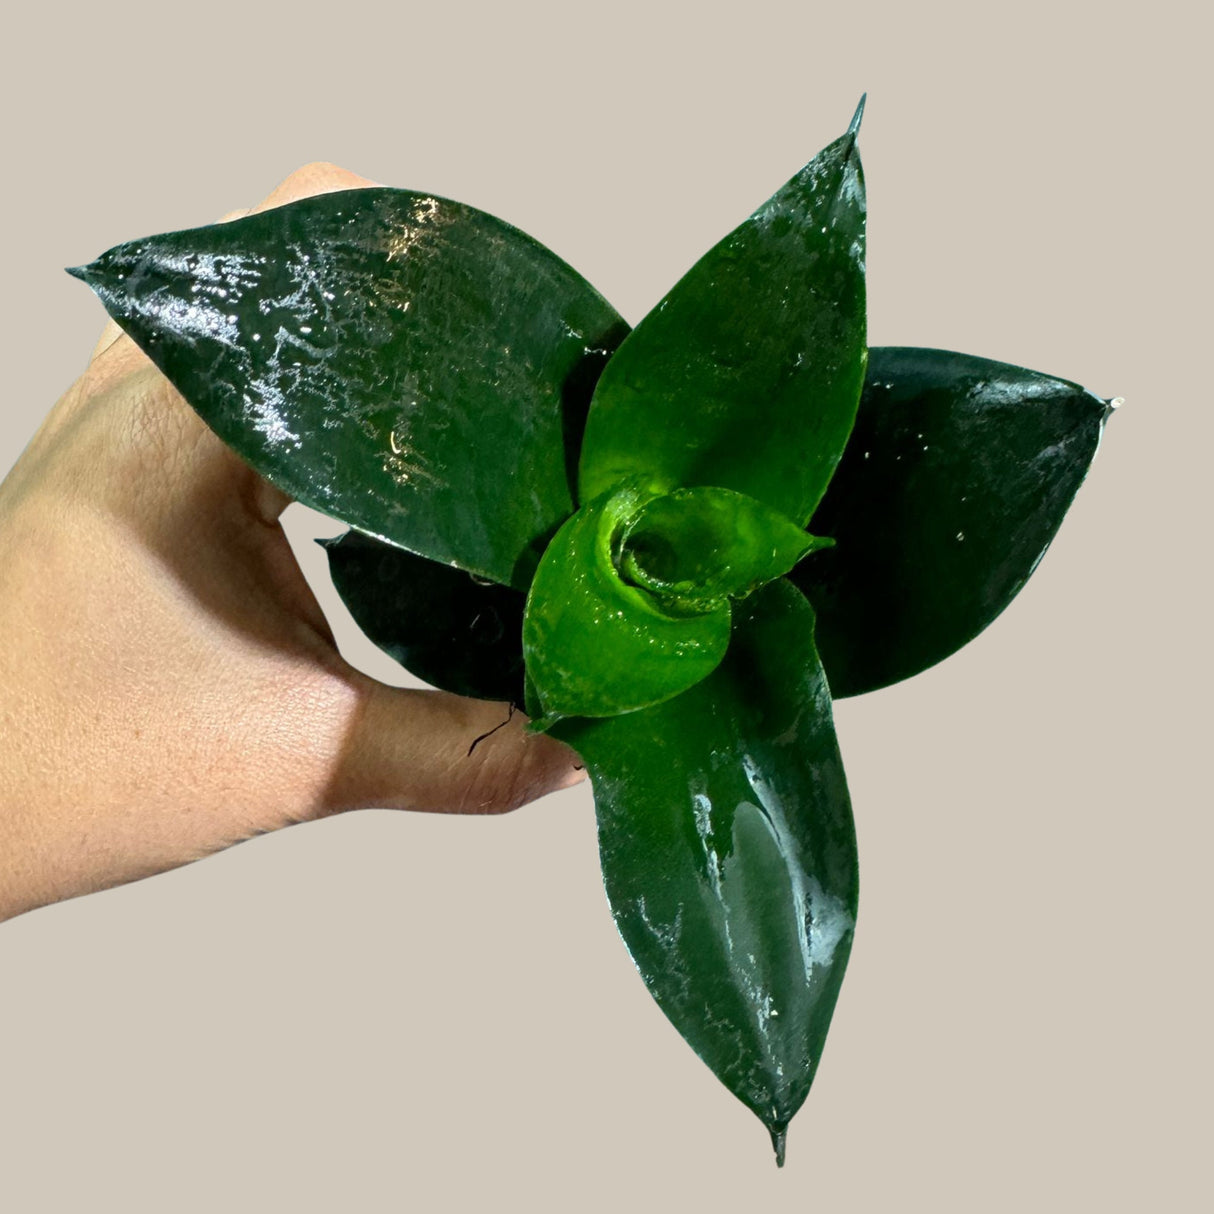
x,y
425,373
698,547
729,854
595,645
747,375
406,364
956,479
456,633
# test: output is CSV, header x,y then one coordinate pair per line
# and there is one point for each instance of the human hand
x,y
168,683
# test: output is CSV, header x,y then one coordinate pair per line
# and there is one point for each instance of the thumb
x,y
430,750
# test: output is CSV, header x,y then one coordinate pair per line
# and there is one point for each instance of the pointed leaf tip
x,y
854,126
779,1143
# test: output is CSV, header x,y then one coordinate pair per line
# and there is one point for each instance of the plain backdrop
x,y
386,1011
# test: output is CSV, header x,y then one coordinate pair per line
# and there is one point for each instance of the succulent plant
x,y
671,545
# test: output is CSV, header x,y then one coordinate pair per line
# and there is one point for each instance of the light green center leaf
x,y
695,548
596,646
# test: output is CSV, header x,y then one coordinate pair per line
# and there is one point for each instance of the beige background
x,y
403,1012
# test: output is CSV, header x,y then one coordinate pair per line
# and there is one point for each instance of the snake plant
x,y
673,545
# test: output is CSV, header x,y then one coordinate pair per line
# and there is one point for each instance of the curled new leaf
x,y
409,365
699,547
596,645
957,476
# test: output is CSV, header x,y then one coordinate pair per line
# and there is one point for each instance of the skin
x,y
169,686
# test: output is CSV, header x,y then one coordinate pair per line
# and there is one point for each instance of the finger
x,y
430,750
109,335
320,177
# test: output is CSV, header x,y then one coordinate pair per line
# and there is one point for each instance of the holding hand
x,y
168,683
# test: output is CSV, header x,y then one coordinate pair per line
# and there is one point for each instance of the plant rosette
x,y
672,545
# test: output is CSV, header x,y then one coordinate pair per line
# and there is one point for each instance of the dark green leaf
x,y
956,478
729,853
441,624
748,373
406,364
595,645
698,547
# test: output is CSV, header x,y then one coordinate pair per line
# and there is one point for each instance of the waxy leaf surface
x,y
957,476
594,644
457,634
747,375
409,365
729,853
